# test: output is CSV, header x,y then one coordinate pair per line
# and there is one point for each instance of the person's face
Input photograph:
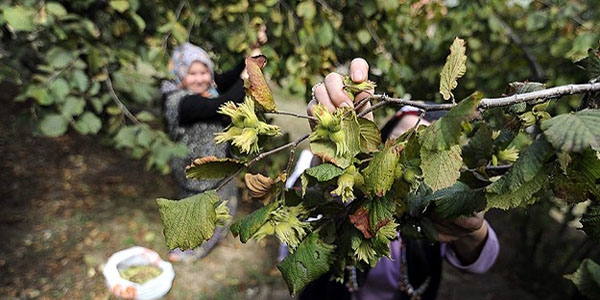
x,y
198,79
407,122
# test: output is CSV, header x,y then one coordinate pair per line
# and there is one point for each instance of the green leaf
x,y
457,200
455,68
79,80
20,18
73,107
88,123
441,169
60,88
326,35
119,5
379,174
59,58
574,132
446,131
126,137
249,225
591,222
189,222
56,9
9,73
139,21
54,125
145,116
587,278
363,36
306,10
307,263
370,137
211,167
40,94
380,213
324,172
525,178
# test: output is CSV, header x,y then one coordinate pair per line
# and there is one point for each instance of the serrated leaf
x,y
457,200
446,131
441,169
310,260
360,219
212,167
54,125
455,68
591,222
525,178
257,85
380,213
587,278
573,132
370,137
324,172
379,174
189,222
249,225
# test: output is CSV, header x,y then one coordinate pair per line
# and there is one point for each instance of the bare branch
x,y
487,103
118,101
293,114
546,94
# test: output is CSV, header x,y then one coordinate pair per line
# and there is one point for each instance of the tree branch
x,y
487,103
118,101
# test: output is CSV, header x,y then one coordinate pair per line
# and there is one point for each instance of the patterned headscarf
x,y
184,56
181,60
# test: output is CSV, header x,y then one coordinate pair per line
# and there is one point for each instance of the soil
x,y
68,203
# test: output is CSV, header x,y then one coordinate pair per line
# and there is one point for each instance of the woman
x,y
191,103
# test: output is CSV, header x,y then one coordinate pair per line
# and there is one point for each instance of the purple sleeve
x,y
486,259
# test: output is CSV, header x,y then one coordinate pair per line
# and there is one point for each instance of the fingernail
x,y
358,75
344,104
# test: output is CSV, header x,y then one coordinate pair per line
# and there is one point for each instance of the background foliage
x,y
94,66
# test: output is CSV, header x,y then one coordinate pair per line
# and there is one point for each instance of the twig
x,y
118,101
293,114
533,63
259,157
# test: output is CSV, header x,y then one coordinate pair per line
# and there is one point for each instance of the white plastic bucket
x,y
138,256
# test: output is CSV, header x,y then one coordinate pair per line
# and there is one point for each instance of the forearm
x,y
468,247
484,259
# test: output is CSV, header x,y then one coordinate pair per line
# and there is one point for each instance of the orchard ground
x,y
68,203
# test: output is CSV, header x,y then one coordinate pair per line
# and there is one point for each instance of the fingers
x,y
332,93
337,96
359,70
262,34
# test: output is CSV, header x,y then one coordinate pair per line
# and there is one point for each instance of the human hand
x,y
331,92
467,235
261,39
